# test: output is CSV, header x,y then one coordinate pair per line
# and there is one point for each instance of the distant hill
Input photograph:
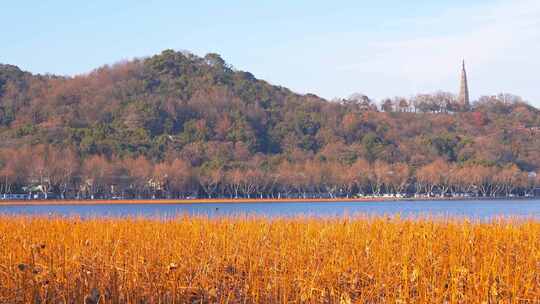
x,y
149,106
177,105
176,124
172,101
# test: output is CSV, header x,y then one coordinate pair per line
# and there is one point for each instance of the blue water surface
x,y
472,209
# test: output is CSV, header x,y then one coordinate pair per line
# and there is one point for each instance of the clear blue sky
x,y
379,48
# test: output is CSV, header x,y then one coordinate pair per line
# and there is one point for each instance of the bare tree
x,y
96,172
210,179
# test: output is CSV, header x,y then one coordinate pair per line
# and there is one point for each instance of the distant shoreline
x,y
244,201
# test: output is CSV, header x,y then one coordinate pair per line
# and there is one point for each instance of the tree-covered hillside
x,y
201,112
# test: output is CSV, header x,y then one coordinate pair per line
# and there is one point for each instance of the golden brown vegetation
x,y
253,260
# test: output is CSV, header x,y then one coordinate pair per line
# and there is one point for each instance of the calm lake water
x,y
485,209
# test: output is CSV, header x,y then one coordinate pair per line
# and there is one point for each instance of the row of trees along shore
x,y
51,172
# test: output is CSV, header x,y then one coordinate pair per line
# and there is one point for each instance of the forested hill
x,y
155,106
200,110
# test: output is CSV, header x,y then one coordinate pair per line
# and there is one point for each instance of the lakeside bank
x,y
248,201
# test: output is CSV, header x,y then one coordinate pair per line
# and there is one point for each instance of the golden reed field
x,y
256,260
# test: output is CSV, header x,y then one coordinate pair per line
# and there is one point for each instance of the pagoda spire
x,y
463,98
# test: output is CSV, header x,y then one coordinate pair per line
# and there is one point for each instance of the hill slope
x,y
199,109
135,107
